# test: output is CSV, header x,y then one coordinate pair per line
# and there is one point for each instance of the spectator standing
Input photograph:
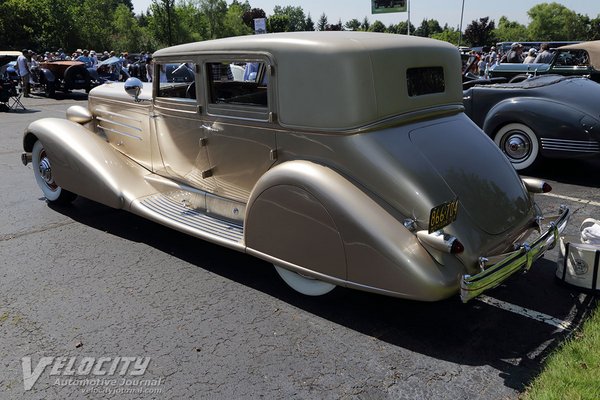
x,y
545,56
94,58
85,58
483,65
515,55
493,57
149,68
24,71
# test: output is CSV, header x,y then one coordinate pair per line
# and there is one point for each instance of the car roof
x,y
593,49
357,77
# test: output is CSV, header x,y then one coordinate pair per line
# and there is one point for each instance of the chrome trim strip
x,y
570,145
110,121
124,116
120,132
522,259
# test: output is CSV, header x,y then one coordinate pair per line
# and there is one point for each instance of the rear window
x,y
426,80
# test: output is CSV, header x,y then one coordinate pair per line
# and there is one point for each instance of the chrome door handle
x,y
210,128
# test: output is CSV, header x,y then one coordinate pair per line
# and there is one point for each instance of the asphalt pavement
x,y
88,288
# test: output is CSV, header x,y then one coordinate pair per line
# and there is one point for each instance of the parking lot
x,y
88,281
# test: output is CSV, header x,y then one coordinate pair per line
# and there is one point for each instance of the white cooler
x,y
579,257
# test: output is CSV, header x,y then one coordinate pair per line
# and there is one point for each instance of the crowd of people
x,y
516,55
29,60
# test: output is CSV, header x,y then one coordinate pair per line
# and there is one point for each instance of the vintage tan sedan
x,y
343,158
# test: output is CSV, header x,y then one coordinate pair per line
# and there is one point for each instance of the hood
x,y
475,171
116,91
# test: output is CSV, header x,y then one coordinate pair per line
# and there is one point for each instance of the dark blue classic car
x,y
545,116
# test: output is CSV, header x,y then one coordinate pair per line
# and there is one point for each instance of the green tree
x,y
402,28
309,24
352,25
234,22
594,29
162,21
126,31
449,35
251,15
553,21
278,23
322,22
191,24
296,17
480,33
511,31
377,26
365,25
427,28
215,11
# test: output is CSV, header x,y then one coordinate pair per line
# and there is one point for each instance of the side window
x,y
177,80
572,58
243,83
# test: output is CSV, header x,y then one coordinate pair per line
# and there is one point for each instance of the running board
x,y
165,209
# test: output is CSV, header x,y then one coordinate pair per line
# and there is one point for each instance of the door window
x,y
240,84
177,80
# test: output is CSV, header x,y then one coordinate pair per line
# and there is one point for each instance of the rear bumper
x,y
499,268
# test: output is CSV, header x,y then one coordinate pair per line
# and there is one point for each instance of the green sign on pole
x,y
388,6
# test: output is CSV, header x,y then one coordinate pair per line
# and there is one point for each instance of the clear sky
x,y
445,11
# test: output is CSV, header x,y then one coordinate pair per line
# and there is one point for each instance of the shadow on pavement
x,y
474,334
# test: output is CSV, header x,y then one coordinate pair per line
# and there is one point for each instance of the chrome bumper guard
x,y
503,266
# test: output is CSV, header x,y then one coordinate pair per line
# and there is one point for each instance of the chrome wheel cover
x,y
517,145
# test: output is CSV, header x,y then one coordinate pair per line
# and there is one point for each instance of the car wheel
x,y
49,89
303,284
519,143
42,170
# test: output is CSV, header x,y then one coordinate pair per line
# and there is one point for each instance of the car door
x,y
238,124
178,124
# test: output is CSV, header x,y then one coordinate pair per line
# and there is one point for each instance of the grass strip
x,y
573,370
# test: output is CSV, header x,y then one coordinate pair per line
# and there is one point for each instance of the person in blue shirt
x,y
86,59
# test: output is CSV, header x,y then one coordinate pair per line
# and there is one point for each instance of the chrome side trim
x,y
522,259
129,135
579,146
110,121
124,116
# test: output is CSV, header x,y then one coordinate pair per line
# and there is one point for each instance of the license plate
x,y
443,215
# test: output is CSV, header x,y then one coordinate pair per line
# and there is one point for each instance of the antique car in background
x,y
547,116
109,70
63,76
335,159
8,63
581,59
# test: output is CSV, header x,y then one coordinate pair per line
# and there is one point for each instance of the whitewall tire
x,y
42,170
519,144
305,285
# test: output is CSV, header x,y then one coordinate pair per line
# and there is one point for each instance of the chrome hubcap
x,y
517,146
46,171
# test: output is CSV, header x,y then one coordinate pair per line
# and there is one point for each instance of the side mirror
x,y
133,87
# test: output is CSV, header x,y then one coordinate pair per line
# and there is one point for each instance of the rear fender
x,y
85,164
323,225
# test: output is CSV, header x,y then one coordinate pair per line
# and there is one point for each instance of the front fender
x,y
85,164
543,116
321,224
46,76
